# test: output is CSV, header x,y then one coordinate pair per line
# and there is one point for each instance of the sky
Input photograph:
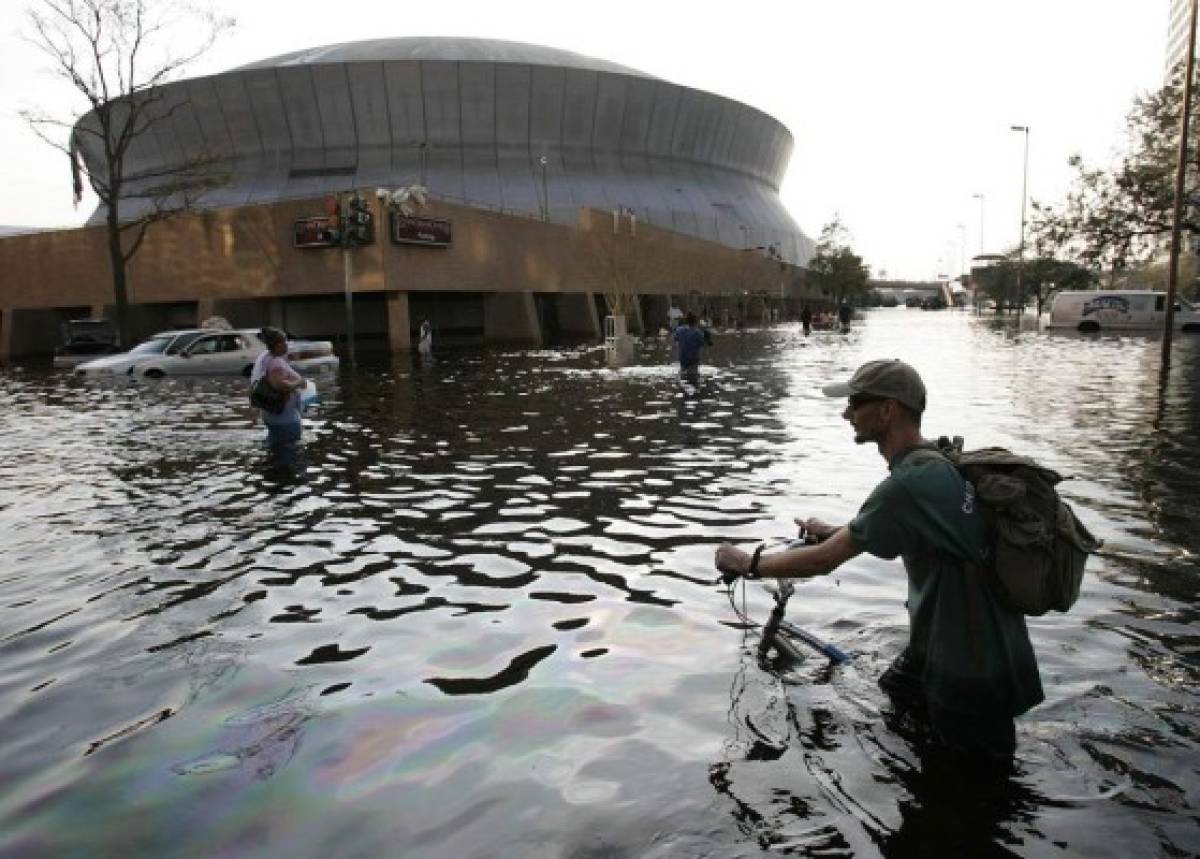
x,y
901,110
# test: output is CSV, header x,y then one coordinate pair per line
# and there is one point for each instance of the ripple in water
x,y
476,616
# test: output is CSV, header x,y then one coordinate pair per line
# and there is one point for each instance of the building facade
x,y
527,152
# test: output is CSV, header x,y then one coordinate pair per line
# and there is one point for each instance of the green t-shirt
x,y
975,652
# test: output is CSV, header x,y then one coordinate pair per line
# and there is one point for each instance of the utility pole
x,y
348,280
356,224
1180,171
1021,247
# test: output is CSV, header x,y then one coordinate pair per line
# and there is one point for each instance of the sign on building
x,y
433,232
318,231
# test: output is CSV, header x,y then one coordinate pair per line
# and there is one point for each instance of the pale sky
x,y
900,109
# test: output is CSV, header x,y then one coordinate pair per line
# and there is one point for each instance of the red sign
x,y
319,231
432,232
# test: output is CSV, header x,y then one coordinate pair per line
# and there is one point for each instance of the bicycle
x,y
778,632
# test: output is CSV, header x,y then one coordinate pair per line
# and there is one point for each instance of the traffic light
x,y
357,223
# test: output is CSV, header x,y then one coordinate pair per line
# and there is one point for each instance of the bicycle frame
x,y
776,630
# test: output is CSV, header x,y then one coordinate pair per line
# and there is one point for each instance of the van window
x,y
1139,303
1160,303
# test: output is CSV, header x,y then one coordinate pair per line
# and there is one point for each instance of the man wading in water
x,y
969,667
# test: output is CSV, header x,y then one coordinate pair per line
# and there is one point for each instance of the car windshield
x,y
182,341
153,346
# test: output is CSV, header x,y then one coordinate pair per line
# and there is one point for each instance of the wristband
x,y
752,573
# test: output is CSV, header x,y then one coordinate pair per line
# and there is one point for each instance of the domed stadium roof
x,y
505,126
449,49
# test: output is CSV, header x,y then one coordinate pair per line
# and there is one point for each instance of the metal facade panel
x,y
239,115
206,106
163,131
706,128
372,126
442,120
579,108
610,112
512,105
477,88
406,104
726,131
685,137
368,95
143,154
190,139
639,192
586,184
303,118
546,108
519,190
759,145
336,113
481,179
743,140
662,119
267,104
635,121
481,172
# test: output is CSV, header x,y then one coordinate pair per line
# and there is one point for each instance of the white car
x,y
206,351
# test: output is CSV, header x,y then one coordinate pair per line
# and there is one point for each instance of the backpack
x,y
269,399
1038,547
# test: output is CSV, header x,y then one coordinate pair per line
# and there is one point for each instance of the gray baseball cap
x,y
892,379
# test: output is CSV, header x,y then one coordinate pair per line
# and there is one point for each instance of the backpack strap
x,y
926,452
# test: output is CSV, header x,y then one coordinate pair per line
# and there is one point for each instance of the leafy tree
x,y
1119,216
1040,277
835,269
117,55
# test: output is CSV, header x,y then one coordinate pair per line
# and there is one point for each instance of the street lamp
x,y
545,197
1024,129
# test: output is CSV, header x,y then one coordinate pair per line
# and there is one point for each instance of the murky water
x,y
478,617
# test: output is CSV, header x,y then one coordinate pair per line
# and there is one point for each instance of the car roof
x,y
177,331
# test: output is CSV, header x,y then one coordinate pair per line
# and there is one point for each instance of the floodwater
x,y
477,616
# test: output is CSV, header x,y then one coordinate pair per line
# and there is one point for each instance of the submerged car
x,y
206,351
86,340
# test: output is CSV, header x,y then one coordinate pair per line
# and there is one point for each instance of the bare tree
x,y
624,262
118,55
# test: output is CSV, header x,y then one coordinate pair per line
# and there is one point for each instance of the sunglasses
x,y
857,400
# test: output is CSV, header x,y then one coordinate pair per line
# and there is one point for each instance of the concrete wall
x,y
240,263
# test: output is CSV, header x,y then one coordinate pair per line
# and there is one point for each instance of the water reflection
x,y
476,616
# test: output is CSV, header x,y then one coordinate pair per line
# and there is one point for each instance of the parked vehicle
x,y
166,343
212,353
206,351
1119,310
86,340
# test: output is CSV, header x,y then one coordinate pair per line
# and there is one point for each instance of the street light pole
x,y
1021,247
545,196
1177,214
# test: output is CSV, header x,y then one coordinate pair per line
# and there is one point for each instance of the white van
x,y
1119,310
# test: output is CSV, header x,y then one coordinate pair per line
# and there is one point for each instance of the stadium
x,y
557,188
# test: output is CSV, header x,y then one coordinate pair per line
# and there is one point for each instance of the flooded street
x,y
478,617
